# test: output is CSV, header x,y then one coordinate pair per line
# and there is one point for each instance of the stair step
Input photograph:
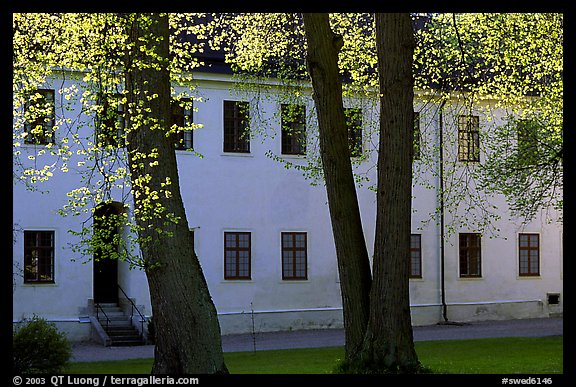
x,y
126,343
114,318
116,323
124,336
118,326
126,331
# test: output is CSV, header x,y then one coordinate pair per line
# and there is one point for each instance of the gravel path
x,y
90,351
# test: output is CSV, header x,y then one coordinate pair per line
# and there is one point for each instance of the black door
x,y
106,281
105,268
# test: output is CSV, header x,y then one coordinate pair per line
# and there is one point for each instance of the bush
x,y
38,347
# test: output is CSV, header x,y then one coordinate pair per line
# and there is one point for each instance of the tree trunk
x,y
351,252
388,344
187,330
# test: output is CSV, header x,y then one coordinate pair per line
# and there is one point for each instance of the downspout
x,y
441,161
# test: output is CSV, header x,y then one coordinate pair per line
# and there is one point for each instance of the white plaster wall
x,y
251,192
239,192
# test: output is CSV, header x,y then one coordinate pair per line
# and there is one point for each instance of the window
x,y
354,124
39,113
182,118
417,137
470,257
237,252
529,254
415,256
111,122
236,131
527,142
293,129
38,256
468,138
294,256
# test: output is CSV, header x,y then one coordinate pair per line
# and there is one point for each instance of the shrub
x,y
38,347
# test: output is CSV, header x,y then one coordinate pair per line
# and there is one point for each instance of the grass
x,y
541,355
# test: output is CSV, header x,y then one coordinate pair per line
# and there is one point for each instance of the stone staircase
x,y
118,326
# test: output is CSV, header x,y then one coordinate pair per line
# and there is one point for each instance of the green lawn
x,y
479,356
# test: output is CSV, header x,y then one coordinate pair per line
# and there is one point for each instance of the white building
x,y
240,194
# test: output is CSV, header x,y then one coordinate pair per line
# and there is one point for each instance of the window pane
x,y
534,267
243,258
300,240
287,240
244,240
230,240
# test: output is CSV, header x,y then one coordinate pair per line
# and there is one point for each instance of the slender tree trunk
x,y
187,330
388,344
351,252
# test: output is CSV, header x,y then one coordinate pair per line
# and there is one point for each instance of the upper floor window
x,y
38,256
527,131
39,114
470,255
182,118
237,255
293,122
415,256
468,138
294,256
354,124
236,127
529,254
417,137
111,121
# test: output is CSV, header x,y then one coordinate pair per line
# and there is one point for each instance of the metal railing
x,y
134,308
99,307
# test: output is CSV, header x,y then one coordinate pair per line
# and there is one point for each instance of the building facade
x,y
262,229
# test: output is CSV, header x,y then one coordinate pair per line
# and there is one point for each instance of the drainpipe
x,y
441,161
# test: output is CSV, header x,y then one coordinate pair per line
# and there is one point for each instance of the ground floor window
x,y
415,256
38,256
529,254
470,255
237,255
294,256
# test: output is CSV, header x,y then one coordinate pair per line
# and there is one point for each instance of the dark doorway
x,y
105,264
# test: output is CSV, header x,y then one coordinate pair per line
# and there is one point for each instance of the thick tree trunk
x,y
187,329
351,252
389,345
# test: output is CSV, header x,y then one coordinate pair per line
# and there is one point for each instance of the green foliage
x,y
479,63
38,347
510,63
81,56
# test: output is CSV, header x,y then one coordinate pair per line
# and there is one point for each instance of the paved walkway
x,y
89,351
